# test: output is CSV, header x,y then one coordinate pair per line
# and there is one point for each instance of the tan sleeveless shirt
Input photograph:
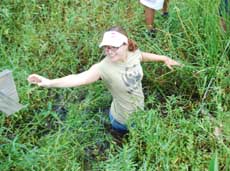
x,y
123,80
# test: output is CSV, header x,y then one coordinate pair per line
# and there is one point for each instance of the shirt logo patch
x,y
132,78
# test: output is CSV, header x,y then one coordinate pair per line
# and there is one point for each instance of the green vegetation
x,y
186,124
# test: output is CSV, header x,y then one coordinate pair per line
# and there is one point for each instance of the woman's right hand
x,y
39,80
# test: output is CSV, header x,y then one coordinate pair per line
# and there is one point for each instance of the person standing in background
x,y
224,10
150,8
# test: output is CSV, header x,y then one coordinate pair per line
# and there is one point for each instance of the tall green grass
x,y
184,107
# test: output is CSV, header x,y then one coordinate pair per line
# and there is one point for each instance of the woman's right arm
x,y
74,80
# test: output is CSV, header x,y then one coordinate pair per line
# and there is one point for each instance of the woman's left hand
x,y
170,62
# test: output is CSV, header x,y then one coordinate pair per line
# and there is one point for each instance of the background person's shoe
x,y
165,15
152,33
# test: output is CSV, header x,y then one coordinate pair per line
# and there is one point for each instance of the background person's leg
x,y
165,8
149,20
149,17
224,11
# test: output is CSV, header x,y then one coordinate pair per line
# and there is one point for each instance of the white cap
x,y
113,38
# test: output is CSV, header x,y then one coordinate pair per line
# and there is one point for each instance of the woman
x,y
121,72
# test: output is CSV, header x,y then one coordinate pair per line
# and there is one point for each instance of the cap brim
x,y
114,44
113,38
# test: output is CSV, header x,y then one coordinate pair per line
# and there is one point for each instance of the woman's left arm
x,y
150,57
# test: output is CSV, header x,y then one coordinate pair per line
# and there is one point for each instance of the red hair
x,y
132,45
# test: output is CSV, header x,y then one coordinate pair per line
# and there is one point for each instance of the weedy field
x,y
186,122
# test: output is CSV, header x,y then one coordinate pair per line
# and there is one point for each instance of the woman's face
x,y
116,54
